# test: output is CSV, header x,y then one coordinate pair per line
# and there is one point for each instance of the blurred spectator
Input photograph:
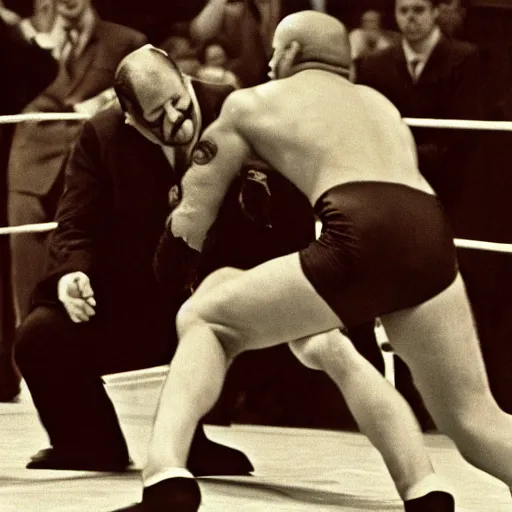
x,y
273,11
214,69
235,25
452,14
370,37
26,70
42,18
181,50
154,18
88,51
430,76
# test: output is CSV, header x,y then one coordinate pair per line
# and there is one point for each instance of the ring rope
x,y
483,246
459,124
459,242
29,228
35,117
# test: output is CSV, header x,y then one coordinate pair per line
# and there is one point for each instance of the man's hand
x,y
75,292
8,16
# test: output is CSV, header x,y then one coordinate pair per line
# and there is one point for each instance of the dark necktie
x,y
414,64
69,49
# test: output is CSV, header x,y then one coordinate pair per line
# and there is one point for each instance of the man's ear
x,y
292,51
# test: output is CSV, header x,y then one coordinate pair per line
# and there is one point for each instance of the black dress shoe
x,y
171,495
50,458
208,458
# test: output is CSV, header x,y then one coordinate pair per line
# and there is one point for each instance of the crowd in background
x,y
229,42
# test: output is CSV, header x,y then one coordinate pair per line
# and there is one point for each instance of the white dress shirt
x,y
416,61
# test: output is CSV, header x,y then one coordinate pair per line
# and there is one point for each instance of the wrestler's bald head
x,y
317,37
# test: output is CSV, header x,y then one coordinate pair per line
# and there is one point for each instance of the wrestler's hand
x,y
75,292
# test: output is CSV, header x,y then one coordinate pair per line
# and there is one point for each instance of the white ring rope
x,y
459,124
459,242
35,117
29,228
483,246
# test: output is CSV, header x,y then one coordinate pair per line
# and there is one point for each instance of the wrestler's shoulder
x,y
251,99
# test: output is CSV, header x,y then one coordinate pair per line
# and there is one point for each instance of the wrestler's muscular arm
x,y
217,159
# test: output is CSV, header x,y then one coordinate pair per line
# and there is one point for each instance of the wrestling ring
x,y
302,470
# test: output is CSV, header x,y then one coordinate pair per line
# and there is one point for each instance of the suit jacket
x,y
114,207
450,86
39,149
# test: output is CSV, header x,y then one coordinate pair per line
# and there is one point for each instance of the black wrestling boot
x,y
436,501
171,495
51,458
208,458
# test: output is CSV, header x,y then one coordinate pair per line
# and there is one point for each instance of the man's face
x,y
276,61
214,55
415,18
72,9
451,16
167,109
370,20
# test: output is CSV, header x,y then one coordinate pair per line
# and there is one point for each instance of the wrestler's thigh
x,y
216,278
438,341
270,304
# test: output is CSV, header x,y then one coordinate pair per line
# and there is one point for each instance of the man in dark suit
x,y
88,51
430,76
26,70
100,309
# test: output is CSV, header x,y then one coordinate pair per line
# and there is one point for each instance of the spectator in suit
x,y
110,219
235,25
430,76
370,36
181,50
88,51
273,11
213,68
26,70
452,14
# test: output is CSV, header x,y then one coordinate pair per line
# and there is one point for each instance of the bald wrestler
x,y
347,149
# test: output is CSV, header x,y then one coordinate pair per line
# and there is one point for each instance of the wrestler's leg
x,y
380,411
239,310
438,341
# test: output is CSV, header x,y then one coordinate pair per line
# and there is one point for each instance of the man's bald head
x,y
320,38
155,97
140,72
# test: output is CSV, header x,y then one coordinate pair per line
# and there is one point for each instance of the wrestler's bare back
x,y
320,130
315,128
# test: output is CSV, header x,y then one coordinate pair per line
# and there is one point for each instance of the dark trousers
x,y
62,363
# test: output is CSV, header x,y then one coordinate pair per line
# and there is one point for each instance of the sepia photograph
x,y
254,256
